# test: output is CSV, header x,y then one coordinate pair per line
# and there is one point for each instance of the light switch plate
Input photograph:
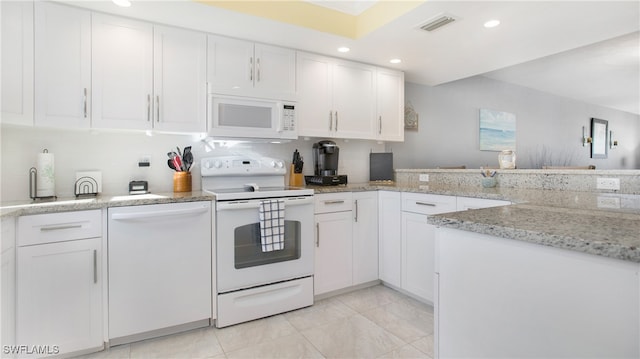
x,y
423,178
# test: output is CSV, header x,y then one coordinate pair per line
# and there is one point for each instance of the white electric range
x,y
253,282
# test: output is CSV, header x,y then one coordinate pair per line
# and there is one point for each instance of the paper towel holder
x,y
33,186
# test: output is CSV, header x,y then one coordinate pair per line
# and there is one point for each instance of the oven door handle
x,y
255,203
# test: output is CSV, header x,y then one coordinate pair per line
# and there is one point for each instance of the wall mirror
x,y
599,130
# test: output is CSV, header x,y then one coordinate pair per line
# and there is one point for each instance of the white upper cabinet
x,y
244,68
147,77
341,99
122,73
354,100
17,62
315,114
62,66
180,75
390,101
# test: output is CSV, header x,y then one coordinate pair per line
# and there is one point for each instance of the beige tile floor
x,y
376,322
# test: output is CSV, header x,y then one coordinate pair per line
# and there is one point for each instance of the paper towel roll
x,y
46,179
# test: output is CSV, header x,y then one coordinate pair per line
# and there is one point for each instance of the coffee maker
x,y
325,165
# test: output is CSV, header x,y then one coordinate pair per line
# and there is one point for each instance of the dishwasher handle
x,y
158,214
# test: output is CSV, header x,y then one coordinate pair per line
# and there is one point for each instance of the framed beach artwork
x,y
497,130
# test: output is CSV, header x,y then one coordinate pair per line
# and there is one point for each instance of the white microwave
x,y
243,117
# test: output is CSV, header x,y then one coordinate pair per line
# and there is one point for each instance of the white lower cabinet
x,y
334,244
59,282
389,238
417,255
365,237
418,252
8,280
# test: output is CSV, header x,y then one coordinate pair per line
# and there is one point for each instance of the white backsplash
x,y
116,154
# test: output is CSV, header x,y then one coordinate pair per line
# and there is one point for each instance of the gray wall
x,y
549,128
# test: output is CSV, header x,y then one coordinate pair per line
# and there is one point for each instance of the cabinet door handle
x,y
336,121
158,108
334,202
317,234
330,120
356,203
258,69
426,204
57,228
148,107
95,266
380,125
250,68
85,102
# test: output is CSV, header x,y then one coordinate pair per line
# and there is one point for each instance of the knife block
x,y
295,179
182,181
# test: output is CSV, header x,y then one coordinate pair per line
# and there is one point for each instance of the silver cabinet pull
x,y
158,108
426,204
330,120
334,202
356,202
258,69
85,102
95,266
380,125
57,228
148,107
251,69
336,121
317,234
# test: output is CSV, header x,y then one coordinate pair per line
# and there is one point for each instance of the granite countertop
x,y
605,224
21,208
609,234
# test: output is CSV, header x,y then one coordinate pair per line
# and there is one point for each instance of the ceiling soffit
x,y
305,14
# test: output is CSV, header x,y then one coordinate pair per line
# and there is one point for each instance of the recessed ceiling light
x,y
344,49
395,61
123,3
491,23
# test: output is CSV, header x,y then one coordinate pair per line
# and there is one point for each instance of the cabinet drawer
x,y
333,202
428,203
465,203
58,227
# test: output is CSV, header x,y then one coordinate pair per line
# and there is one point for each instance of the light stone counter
x,y
605,224
81,204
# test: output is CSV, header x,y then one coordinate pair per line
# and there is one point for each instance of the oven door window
x,y
248,248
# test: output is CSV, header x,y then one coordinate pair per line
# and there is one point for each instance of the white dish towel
x,y
272,225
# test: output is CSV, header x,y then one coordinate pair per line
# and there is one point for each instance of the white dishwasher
x,y
159,269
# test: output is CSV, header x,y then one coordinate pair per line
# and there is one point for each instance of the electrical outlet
x,y
608,202
608,183
424,178
144,161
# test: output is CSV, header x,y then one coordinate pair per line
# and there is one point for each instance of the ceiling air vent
x,y
437,22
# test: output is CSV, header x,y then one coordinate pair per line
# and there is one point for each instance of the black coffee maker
x,y
325,164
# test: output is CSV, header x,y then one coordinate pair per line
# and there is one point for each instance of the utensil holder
x,y
489,182
182,181
295,179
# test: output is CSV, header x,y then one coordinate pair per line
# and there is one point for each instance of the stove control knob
x,y
280,164
207,164
217,164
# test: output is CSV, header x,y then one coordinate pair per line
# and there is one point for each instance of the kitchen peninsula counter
x,y
604,224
